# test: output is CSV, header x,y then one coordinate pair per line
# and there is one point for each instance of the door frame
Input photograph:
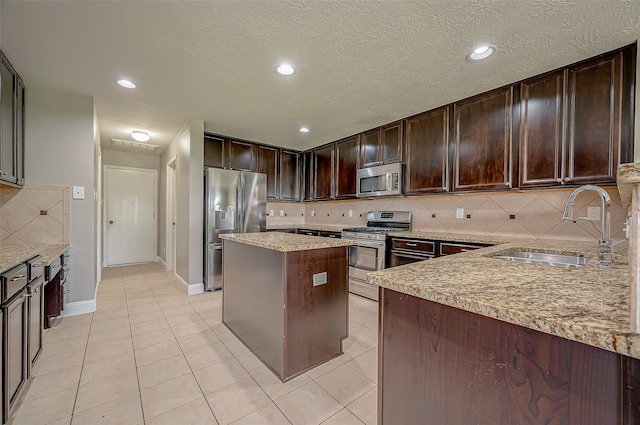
x,y
170,214
105,207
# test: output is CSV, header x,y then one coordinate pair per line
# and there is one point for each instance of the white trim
x,y
79,307
160,260
170,214
191,289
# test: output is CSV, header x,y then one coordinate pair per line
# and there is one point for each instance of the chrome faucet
x,y
605,247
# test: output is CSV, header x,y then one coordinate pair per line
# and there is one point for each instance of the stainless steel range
x,y
368,253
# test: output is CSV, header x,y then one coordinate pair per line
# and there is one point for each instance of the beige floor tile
x,y
147,316
63,346
145,327
198,340
95,393
109,366
251,363
51,383
236,346
367,337
366,318
220,375
173,302
269,414
144,308
64,421
169,395
366,407
152,338
210,313
47,409
110,324
196,412
162,371
181,319
108,349
123,411
96,338
352,349
343,417
141,298
189,328
59,362
237,400
213,321
205,305
325,367
344,384
110,305
69,322
67,333
208,355
157,352
180,309
223,332
307,405
105,316
366,364
274,387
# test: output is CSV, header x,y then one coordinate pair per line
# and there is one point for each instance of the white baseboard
x,y
191,289
79,307
160,260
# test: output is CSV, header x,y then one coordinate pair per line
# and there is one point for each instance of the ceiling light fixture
x,y
481,52
126,84
140,136
285,69
304,130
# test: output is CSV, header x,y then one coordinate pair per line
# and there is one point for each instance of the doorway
x,y
130,217
170,228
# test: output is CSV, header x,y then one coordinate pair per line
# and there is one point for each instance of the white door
x,y
131,195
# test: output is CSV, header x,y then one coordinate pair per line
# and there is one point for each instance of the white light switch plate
x,y
459,212
271,213
78,192
281,213
350,213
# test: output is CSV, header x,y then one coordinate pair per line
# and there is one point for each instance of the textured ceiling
x,y
360,64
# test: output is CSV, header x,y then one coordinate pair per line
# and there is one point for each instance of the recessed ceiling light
x,y
285,69
140,136
481,52
126,84
304,130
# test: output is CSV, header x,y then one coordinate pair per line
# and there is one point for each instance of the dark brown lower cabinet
x,y
35,321
15,340
439,365
52,300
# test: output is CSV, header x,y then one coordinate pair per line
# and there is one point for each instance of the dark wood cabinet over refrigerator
x,y
267,163
289,178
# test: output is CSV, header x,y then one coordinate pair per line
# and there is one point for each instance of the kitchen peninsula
x,y
285,296
471,338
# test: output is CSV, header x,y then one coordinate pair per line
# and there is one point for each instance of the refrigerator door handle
x,y
240,206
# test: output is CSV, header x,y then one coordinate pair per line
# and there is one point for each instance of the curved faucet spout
x,y
605,252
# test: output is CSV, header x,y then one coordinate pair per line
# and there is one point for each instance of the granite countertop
x,y
285,242
455,237
324,227
628,175
588,305
12,255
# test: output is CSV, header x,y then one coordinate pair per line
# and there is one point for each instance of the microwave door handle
x,y
388,181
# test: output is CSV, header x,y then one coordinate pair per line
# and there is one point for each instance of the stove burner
x,y
374,229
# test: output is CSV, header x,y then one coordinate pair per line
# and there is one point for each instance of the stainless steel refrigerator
x,y
234,202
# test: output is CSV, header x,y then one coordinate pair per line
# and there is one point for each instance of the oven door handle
x,y
368,244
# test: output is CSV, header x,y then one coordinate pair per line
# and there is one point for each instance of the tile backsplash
x,y
35,214
530,213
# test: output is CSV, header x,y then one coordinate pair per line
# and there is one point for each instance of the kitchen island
x,y
471,338
285,297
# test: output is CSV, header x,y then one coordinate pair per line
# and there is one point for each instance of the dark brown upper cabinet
x,y
267,163
427,142
241,155
482,141
382,145
541,130
346,153
9,144
323,172
20,132
214,151
308,176
289,175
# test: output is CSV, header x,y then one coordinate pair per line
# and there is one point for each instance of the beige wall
x,y
59,150
130,159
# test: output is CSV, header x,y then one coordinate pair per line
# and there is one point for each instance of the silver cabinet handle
x,y
17,278
66,292
567,179
411,244
508,184
56,266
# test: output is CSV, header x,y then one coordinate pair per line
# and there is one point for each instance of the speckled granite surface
x,y
325,227
588,305
285,242
627,176
13,255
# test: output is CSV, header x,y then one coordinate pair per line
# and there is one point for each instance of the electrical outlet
x,y
313,213
271,213
593,213
459,212
77,192
350,213
281,213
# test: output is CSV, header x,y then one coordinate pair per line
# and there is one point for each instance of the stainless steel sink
x,y
549,259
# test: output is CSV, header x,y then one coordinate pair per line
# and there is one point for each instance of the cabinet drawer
x,y
329,234
449,248
400,258
425,247
308,232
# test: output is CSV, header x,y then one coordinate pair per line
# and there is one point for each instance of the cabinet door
x,y
7,121
346,166
214,151
323,172
594,110
268,164
20,133
15,350
35,323
370,148
541,130
307,165
427,152
289,176
241,155
482,138
391,143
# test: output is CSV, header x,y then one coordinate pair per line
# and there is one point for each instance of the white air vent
x,y
131,145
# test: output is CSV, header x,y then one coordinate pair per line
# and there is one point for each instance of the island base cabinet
x,y
440,365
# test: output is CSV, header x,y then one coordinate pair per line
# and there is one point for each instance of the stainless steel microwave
x,y
382,180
